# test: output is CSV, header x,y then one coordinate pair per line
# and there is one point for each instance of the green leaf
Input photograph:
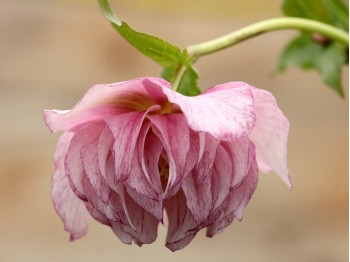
x,y
326,59
301,51
161,51
333,12
329,65
188,85
164,53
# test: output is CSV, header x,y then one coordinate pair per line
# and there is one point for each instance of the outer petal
x,y
100,102
226,113
143,225
270,135
73,164
90,161
205,196
70,208
237,200
182,228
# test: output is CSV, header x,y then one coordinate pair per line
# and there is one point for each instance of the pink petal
x,y
125,128
73,163
198,198
224,112
249,186
174,133
202,197
207,154
221,177
100,102
143,225
270,135
139,179
90,161
105,145
241,151
182,228
119,230
151,152
70,208
236,201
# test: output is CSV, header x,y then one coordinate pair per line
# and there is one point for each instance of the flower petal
x,y
125,128
198,198
241,151
270,135
224,112
174,133
143,225
207,154
182,228
100,102
90,161
73,164
138,179
70,208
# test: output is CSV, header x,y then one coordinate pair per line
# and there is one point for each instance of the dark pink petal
x,y
73,164
237,200
139,179
174,133
182,228
100,102
142,225
90,161
120,232
198,198
105,145
270,135
154,207
249,185
125,128
150,159
97,215
207,153
70,208
225,112
221,177
241,152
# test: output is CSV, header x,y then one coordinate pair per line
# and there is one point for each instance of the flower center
x,y
163,168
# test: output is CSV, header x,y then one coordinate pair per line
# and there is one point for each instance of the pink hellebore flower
x,y
136,154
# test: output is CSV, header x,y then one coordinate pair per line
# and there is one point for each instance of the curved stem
x,y
266,26
175,83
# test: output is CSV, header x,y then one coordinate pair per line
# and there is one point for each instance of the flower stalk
x,y
274,24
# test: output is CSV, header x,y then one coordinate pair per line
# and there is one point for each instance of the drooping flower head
x,y
135,154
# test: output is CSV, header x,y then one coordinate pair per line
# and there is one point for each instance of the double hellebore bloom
x,y
135,154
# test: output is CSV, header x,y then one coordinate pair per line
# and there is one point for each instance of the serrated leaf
x,y
333,12
326,59
188,85
161,51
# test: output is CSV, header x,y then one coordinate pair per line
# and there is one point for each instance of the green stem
x,y
175,83
265,26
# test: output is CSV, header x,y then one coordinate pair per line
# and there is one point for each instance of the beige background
x,y
51,52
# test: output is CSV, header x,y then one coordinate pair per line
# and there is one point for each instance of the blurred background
x,y
51,52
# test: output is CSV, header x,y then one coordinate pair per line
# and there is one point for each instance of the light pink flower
x,y
132,150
